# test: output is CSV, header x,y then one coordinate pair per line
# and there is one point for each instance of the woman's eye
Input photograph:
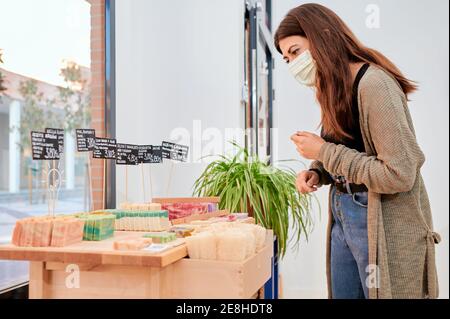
x,y
296,52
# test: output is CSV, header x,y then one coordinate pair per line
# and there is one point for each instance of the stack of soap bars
x,y
180,210
67,231
226,241
140,207
131,220
97,225
48,231
161,238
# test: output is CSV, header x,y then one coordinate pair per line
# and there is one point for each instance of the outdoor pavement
x,y
16,272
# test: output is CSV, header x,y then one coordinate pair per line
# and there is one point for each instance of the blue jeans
x,y
349,247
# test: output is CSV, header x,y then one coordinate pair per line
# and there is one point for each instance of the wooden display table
x,y
106,273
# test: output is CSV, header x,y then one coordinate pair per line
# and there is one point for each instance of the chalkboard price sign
x,y
179,153
175,152
105,148
60,134
150,154
167,148
44,146
145,152
127,154
156,154
85,140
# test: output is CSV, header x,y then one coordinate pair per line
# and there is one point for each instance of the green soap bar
x,y
130,213
98,226
161,238
85,231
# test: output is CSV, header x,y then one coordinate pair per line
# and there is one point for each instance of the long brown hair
x,y
334,46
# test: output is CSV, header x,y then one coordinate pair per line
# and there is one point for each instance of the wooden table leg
x,y
38,280
158,283
153,283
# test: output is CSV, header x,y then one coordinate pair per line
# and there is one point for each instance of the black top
x,y
354,130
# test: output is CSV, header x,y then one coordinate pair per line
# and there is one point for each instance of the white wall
x,y
177,61
414,34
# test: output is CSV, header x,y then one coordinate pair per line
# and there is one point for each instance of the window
x,y
45,82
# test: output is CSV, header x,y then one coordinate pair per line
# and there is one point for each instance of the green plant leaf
x,y
246,182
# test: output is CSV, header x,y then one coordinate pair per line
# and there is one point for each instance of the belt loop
x,y
347,186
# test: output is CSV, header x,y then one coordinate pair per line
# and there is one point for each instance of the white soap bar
x,y
231,245
202,246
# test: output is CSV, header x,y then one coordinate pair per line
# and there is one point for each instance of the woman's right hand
x,y
307,181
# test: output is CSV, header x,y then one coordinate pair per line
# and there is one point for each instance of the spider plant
x,y
248,184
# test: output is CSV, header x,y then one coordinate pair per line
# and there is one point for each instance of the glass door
x,y
45,82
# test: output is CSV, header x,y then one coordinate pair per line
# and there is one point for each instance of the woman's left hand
x,y
308,144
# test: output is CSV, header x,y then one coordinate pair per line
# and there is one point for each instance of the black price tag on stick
x,y
179,153
105,148
60,134
85,140
175,152
127,154
145,153
156,156
44,146
167,148
150,154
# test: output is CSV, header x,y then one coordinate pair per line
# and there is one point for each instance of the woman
x,y
380,237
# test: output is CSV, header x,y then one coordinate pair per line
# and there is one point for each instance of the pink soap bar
x,y
47,231
180,210
67,231
42,231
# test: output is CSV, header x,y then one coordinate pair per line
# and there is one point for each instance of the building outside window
x,y
45,82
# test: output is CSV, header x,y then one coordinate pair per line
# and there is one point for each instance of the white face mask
x,y
303,68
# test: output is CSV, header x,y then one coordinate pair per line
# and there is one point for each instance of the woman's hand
x,y
307,181
308,144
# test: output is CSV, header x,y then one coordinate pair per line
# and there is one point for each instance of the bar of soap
x,y
125,205
141,220
220,226
132,244
182,231
260,234
180,210
212,207
202,246
231,245
40,232
258,231
33,232
47,231
227,241
67,231
98,226
140,206
161,238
